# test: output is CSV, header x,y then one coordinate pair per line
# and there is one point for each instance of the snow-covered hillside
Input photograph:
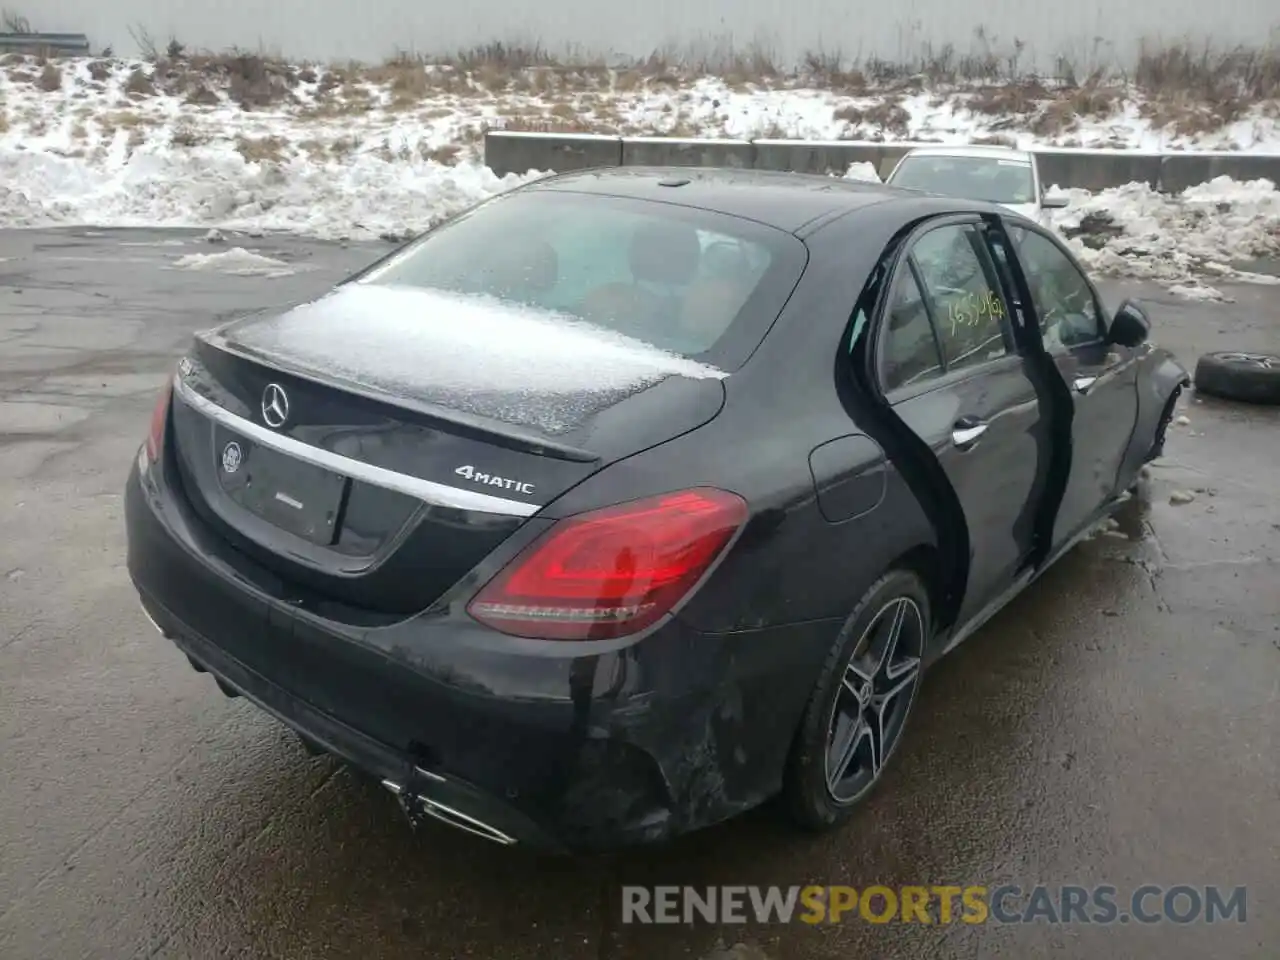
x,y
239,141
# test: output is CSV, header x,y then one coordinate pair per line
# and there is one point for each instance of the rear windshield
x,y
968,178
687,281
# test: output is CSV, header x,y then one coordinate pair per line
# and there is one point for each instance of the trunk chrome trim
x,y
428,491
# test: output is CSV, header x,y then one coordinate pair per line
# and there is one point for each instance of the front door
x,y
948,367
1102,377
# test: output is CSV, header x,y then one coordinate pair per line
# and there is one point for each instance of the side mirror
x,y
1130,327
1053,203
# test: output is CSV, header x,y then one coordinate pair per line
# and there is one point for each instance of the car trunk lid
x,y
374,445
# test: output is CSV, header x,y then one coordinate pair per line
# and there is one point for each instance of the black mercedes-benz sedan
x,y
633,498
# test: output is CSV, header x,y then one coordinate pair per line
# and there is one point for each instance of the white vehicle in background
x,y
1000,175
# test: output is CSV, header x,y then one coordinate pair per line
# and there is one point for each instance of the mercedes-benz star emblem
x,y
275,405
231,457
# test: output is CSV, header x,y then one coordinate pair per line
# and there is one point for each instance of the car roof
x,y
989,151
786,201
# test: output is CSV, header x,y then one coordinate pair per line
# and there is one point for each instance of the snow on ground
x,y
237,261
1134,231
101,142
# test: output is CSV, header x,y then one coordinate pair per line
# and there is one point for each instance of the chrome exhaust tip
x,y
417,808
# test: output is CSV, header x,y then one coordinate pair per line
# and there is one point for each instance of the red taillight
x,y
159,417
614,571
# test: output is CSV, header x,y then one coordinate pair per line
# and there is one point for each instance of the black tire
x,y
809,798
1239,375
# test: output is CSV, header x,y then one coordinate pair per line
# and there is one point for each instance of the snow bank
x,y
159,186
1134,231
862,170
238,261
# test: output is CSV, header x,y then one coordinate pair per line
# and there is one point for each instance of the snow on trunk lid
x,y
484,356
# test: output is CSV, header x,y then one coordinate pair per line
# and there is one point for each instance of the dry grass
x,y
447,154
624,81
539,81
125,119
109,123
885,117
269,149
356,100
139,85
470,135
256,82
251,80
564,111
202,96
344,147
1181,87
1193,90
185,135
406,79
1008,99
993,140
549,125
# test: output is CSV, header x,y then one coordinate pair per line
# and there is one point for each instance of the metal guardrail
x,y
73,43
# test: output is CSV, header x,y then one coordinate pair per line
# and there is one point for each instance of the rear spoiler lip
x,y
483,428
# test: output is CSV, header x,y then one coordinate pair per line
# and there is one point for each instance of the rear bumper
x,y
422,793
559,747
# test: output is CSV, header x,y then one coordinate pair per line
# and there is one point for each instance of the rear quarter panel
x,y
1159,376
791,564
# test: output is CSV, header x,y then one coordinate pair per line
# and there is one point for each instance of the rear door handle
x,y
966,432
1084,384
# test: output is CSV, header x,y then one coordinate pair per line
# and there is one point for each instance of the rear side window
x,y
675,277
969,312
911,349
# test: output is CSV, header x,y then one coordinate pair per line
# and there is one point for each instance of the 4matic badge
x,y
469,472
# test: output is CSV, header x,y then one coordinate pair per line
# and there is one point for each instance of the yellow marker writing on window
x,y
970,309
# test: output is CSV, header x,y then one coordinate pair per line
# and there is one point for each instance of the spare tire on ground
x,y
1239,375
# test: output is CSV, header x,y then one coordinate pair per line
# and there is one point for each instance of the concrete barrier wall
x,y
678,152
512,152
1181,170
521,152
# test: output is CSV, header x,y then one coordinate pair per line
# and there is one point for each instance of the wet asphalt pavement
x,y
1117,724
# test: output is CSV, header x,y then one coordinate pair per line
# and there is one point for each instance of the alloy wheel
x,y
875,695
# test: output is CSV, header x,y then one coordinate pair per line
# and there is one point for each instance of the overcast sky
x,y
373,29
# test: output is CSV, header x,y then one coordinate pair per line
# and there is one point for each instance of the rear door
x,y
1102,377
948,366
